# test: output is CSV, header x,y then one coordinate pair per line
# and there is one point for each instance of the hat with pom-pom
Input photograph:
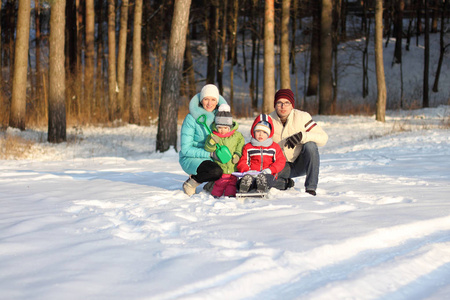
x,y
223,116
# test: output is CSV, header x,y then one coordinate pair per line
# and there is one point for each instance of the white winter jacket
x,y
297,121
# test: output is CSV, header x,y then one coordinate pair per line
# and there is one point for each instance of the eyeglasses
x,y
281,104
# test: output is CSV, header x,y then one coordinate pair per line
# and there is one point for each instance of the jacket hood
x,y
266,118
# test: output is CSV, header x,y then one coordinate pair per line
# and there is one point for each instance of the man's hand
x,y
214,139
294,140
235,159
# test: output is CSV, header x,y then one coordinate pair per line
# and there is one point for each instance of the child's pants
x,y
226,185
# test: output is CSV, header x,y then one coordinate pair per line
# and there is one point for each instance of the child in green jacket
x,y
225,133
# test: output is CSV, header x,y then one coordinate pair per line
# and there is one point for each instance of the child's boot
x,y
246,183
261,183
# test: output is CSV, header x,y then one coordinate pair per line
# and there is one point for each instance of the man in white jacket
x,y
299,136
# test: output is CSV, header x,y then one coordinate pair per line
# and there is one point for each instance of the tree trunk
x,y
71,54
37,48
399,7
57,87
89,60
223,39
113,109
314,66
19,87
253,32
326,46
135,104
213,23
99,109
233,38
269,56
293,40
284,57
379,64
426,64
168,111
121,56
441,47
79,85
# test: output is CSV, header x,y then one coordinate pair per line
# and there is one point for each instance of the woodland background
x,y
94,85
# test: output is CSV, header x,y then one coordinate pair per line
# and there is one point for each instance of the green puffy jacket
x,y
234,140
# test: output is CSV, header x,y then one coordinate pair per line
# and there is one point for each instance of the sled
x,y
241,197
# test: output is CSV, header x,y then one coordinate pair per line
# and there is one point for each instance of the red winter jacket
x,y
258,158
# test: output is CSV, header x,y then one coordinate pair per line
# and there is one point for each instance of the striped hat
x,y
286,94
223,116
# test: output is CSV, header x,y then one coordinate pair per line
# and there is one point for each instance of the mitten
x,y
214,156
235,159
294,140
266,171
214,139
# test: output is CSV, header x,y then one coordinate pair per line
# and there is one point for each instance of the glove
x,y
214,139
266,171
214,156
235,159
294,140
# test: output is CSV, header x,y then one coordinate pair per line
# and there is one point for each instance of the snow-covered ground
x,y
103,217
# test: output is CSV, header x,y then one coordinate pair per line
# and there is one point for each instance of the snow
x,y
103,216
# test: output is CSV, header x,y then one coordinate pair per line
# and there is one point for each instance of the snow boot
x,y
209,186
261,183
246,183
189,186
311,192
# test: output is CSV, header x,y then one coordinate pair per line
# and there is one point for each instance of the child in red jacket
x,y
260,154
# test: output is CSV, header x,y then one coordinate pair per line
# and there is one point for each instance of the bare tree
x,y
137,65
326,105
233,43
442,46
168,111
213,23
269,56
89,59
314,60
113,109
222,39
379,65
399,7
121,56
284,56
57,76
426,64
19,87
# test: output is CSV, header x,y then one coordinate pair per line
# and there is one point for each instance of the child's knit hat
x,y
264,126
223,116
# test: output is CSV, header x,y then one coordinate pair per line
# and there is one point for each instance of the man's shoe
x,y
246,183
312,192
261,183
189,186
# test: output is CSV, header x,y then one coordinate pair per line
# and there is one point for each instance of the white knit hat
x,y
209,90
223,116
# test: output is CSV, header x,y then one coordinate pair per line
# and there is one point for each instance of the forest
x,y
110,62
